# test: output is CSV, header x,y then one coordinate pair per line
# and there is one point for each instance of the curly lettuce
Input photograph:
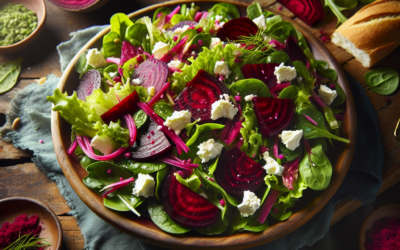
x,y
114,131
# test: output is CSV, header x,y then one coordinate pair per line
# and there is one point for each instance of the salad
x,y
204,120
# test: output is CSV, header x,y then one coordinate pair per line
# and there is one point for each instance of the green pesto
x,y
16,23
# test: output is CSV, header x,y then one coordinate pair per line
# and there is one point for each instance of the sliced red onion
x,y
73,146
290,173
310,119
177,163
118,184
113,60
340,117
170,15
158,95
266,208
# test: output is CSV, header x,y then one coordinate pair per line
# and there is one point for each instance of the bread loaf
x,y
372,33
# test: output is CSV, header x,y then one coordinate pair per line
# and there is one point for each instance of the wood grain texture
x,y
72,236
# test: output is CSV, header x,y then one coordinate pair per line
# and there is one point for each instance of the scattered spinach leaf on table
x,y
9,73
383,81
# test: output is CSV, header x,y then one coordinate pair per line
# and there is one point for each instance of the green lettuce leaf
x,y
115,131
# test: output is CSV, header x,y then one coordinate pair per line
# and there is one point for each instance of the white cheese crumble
x,y
218,18
346,44
180,30
249,98
291,138
151,90
160,49
175,64
137,81
326,94
209,150
113,74
144,186
95,59
249,205
104,144
285,73
272,167
221,69
178,120
224,96
260,22
223,108
214,42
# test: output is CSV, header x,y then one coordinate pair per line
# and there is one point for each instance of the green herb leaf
x,y
9,73
163,109
140,118
383,81
142,167
28,241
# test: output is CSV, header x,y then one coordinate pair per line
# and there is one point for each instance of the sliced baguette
x,y
372,33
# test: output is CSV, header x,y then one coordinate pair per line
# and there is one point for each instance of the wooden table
x,y
20,177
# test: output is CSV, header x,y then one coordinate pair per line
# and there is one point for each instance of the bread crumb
x,y
41,80
16,123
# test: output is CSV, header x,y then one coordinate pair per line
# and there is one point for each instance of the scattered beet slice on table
x,y
126,106
263,72
273,114
199,94
187,207
90,81
237,27
236,173
152,73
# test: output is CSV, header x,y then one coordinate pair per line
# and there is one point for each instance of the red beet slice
x,y
73,5
90,81
187,207
273,114
183,23
126,106
199,94
128,51
294,51
263,72
309,11
152,72
236,173
152,146
237,27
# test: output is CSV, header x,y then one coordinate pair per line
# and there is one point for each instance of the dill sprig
x,y
26,242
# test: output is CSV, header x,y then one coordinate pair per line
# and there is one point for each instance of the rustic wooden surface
x,y
20,177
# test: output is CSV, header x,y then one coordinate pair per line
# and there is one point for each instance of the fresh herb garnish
x,y
26,241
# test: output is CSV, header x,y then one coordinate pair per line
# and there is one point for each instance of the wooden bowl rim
x,y
369,219
238,240
14,47
46,208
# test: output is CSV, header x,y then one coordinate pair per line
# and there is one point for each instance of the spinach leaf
x,y
86,161
112,201
201,129
315,168
340,98
253,225
213,166
249,86
136,33
299,186
163,109
302,71
162,220
289,154
93,182
162,10
119,24
383,81
254,11
193,182
281,31
290,92
309,129
217,228
237,223
112,45
189,127
275,183
9,73
279,211
140,118
159,180
81,63
272,20
328,73
101,169
278,57
142,167
205,41
226,10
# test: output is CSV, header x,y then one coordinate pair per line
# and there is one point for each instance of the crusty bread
x,y
372,33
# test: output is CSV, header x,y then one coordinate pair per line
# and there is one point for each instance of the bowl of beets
x,y
192,200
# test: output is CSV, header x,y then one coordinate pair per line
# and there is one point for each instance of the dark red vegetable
x,y
128,51
199,94
290,173
263,72
152,73
187,207
294,51
273,114
90,81
126,106
152,145
236,173
178,50
237,27
309,11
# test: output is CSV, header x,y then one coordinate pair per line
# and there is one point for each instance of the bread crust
x,y
377,37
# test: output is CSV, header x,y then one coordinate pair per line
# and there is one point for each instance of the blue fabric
x,y
361,183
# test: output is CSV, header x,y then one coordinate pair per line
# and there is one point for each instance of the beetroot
x,y
73,5
263,72
152,146
294,51
237,27
126,106
290,173
128,51
152,72
309,11
90,81
183,23
187,207
236,172
273,114
199,94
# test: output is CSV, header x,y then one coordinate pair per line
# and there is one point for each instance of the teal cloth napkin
x,y
361,183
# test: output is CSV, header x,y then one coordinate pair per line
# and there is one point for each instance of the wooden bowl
x,y
11,208
36,6
377,215
91,7
144,228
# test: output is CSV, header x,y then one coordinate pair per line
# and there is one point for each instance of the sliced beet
x,y
187,207
126,106
128,51
263,72
152,73
152,146
199,94
294,51
183,23
309,11
237,27
90,81
236,173
273,114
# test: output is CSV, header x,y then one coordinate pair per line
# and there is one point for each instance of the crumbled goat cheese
x,y
291,139
223,108
178,120
326,94
144,186
209,150
95,59
214,42
271,166
160,49
249,98
221,69
260,22
181,29
285,73
175,64
137,81
249,205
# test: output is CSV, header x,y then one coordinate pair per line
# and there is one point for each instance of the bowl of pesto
x,y
21,22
